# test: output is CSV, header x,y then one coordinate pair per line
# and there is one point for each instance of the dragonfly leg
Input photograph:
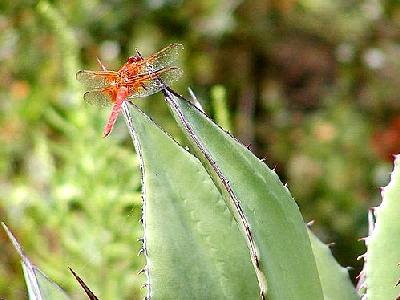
x,y
138,54
103,67
143,86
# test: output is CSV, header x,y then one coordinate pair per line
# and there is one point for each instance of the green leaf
x,y
334,278
48,289
40,287
193,247
382,270
266,212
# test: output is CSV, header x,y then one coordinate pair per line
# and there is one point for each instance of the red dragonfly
x,y
138,77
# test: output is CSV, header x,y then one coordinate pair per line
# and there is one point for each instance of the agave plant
x,y
219,224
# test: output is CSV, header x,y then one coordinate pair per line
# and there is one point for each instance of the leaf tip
x,y
88,292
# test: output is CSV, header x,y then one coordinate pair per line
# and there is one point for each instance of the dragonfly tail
x,y
121,96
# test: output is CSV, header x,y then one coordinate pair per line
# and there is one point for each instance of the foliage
x,y
307,82
184,219
381,260
262,206
39,286
73,198
193,247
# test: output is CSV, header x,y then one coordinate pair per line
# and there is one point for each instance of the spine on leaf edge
x,y
131,128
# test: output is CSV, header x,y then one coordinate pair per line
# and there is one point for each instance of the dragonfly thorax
x,y
123,78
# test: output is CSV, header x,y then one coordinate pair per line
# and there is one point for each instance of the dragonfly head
x,y
134,59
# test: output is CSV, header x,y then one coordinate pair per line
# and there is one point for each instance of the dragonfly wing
x,y
162,59
101,98
148,84
96,79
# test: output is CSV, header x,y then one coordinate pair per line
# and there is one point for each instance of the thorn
x,y
141,271
145,285
371,221
248,147
262,296
311,223
88,292
141,221
330,245
140,240
264,159
14,242
363,256
195,101
140,251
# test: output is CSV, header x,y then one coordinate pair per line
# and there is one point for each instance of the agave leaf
x,y
334,278
40,287
263,207
193,247
382,270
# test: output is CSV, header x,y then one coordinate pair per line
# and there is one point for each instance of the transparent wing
x,y
99,97
162,59
96,79
148,84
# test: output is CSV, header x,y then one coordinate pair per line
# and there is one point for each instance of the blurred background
x,y
311,86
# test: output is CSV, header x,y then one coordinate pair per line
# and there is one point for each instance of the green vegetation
x,y
310,85
195,231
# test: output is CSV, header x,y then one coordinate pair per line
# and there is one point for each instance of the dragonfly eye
x,y
134,59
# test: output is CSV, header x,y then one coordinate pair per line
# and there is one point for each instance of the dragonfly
x,y
138,77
